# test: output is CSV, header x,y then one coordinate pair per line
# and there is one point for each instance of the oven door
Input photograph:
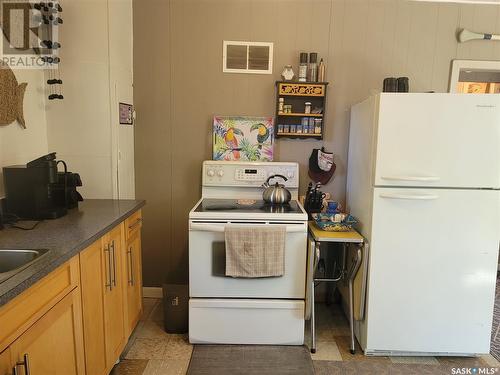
x,y
207,258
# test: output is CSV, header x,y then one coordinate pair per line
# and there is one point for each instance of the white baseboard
x,y
152,292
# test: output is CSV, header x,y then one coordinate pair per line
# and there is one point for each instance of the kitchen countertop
x,y
64,237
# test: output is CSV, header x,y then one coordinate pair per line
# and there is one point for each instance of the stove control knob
x,y
210,173
289,174
220,173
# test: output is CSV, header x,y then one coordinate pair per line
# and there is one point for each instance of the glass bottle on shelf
x,y
303,67
313,67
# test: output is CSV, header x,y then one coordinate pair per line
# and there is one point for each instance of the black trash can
x,y
175,307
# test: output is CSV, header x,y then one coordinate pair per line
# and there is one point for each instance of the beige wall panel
x,y
422,45
496,48
152,90
395,32
373,71
465,20
446,46
484,21
179,86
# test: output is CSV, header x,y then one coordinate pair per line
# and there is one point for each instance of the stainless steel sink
x,y
14,260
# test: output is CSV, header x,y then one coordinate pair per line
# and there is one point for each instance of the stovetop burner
x,y
235,205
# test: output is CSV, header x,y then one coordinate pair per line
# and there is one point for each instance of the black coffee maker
x,y
38,191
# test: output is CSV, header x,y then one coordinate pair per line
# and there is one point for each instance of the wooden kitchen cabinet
x,y
5,364
77,319
114,314
93,266
20,313
133,271
54,344
134,282
103,301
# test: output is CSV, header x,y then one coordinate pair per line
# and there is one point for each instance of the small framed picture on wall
x,y
126,113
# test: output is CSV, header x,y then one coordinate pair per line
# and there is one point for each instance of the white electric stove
x,y
228,310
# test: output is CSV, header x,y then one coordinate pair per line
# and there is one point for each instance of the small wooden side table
x,y
316,237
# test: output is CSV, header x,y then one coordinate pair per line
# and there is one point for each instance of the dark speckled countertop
x,y
64,237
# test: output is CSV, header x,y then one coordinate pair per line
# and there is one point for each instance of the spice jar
x,y
317,126
307,107
281,104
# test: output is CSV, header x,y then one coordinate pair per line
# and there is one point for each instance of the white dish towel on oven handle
x,y
255,251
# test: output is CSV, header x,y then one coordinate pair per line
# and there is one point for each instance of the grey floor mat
x,y
250,359
495,331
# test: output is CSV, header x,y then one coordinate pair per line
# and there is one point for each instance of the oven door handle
x,y
221,228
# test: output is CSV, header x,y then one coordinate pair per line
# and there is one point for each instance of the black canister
x,y
390,84
403,84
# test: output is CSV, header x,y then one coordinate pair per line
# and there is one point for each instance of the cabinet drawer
x,y
20,313
133,224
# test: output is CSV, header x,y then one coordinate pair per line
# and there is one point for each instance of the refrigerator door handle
x,y
412,178
422,197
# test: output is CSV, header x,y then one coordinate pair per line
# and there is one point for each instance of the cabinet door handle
x,y
114,262
131,259
108,276
25,363
136,223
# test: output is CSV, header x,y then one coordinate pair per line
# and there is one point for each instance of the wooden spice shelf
x,y
301,114
302,88
295,95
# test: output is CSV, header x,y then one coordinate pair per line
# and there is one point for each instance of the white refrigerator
x,y
424,179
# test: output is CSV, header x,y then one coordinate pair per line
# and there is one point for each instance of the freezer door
x,y
432,275
446,140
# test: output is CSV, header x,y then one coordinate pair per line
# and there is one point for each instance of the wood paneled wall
x,y
179,85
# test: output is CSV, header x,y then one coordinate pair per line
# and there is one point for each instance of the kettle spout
x,y
265,185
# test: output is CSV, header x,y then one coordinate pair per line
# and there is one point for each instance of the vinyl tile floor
x,y
151,351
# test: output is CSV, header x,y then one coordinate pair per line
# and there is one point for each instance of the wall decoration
x,y
11,97
126,113
474,76
465,35
243,138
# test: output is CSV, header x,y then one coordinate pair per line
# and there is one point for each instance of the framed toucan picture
x,y
243,138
